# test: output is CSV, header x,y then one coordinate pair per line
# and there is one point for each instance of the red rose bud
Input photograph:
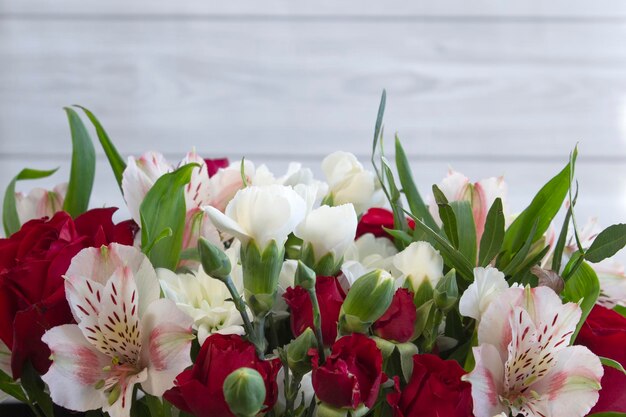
x,y
213,165
351,374
398,322
604,333
434,390
199,390
32,290
375,219
330,297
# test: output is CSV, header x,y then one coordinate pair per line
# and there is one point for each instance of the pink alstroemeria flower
x,y
482,194
524,362
125,334
40,203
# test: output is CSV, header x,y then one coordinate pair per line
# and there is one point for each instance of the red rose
x,y
32,292
398,322
199,390
351,374
374,220
213,165
435,390
330,297
604,333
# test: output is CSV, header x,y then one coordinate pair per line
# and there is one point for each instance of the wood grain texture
x,y
469,90
481,8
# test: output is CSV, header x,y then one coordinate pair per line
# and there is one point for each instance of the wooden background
x,y
487,87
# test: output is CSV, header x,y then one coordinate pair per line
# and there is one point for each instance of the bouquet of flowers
x,y
236,292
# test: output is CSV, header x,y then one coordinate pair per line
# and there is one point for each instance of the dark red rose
x,y
435,390
398,322
330,297
32,292
604,333
351,374
199,390
213,165
374,220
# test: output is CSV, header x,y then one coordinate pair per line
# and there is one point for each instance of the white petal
x,y
197,190
419,262
139,176
226,225
488,284
166,344
75,370
487,381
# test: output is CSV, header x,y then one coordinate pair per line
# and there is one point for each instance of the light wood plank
x,y
468,90
476,8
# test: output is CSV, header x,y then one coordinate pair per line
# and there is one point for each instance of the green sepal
x,y
260,275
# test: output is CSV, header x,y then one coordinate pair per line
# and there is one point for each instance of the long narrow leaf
x,y
520,256
448,217
115,159
493,236
607,243
164,208
10,218
83,168
466,229
413,197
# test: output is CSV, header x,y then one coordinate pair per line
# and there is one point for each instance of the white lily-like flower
x,y
261,214
139,176
524,364
40,203
125,334
349,182
487,286
481,195
328,230
420,262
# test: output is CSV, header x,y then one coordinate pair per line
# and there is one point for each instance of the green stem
x,y
240,305
317,324
292,394
258,336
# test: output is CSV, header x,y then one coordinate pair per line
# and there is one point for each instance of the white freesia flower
x,y
488,285
524,362
262,214
420,262
329,230
125,334
205,299
40,203
349,182
139,176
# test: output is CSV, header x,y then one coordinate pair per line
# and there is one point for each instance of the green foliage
x,y
83,167
493,235
164,208
582,287
10,218
607,243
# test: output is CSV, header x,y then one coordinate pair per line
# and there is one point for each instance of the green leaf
x,y
163,208
493,236
452,257
115,159
541,210
582,285
621,310
379,123
14,389
10,218
83,167
406,352
557,257
607,243
413,197
520,256
466,229
607,414
612,364
448,217
35,388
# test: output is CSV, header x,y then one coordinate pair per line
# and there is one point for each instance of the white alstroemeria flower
x,y
205,299
125,334
40,203
420,262
197,190
481,195
487,286
524,363
328,230
612,279
227,182
262,214
139,176
349,182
